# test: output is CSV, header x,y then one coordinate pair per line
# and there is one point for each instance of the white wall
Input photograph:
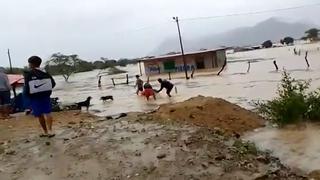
x,y
210,60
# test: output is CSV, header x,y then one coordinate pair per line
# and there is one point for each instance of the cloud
x,y
118,28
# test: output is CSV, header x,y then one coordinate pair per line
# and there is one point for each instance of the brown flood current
x,y
297,147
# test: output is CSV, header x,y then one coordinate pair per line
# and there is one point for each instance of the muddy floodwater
x,y
235,84
298,148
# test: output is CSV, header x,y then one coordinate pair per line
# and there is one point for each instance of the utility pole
x,y
11,71
181,46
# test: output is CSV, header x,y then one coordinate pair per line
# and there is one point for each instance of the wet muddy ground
x,y
89,147
135,147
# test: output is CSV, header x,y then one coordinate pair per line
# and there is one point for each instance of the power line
x,y
220,16
251,13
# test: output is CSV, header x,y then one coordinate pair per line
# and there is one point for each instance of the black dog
x,y
105,98
85,103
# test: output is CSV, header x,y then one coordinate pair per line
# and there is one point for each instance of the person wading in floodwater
x,y
148,91
139,85
165,84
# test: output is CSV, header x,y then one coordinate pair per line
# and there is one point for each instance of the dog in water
x,y
105,98
85,103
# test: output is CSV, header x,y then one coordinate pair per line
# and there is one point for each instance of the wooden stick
x,y
113,82
249,66
127,76
306,58
275,65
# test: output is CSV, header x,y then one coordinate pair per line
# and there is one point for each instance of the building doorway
x,y
200,63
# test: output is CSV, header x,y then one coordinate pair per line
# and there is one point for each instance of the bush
x,y
293,103
313,101
267,44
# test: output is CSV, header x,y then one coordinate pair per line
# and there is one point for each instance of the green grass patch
x,y
293,103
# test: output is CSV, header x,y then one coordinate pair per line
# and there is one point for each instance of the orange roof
x,y
16,78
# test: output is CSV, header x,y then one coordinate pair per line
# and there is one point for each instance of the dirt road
x,y
134,147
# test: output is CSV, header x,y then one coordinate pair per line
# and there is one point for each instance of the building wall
x,y
211,60
221,57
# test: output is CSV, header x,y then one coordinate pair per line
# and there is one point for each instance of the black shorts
x,y
169,90
140,88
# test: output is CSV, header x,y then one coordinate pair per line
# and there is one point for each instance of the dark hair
x,y
137,76
160,80
35,60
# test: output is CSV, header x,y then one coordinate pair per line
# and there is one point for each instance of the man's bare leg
x,y
49,123
42,122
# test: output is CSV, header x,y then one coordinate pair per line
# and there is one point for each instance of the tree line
x,y
312,35
65,65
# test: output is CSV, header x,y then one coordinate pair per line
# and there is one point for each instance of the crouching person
x,y
148,91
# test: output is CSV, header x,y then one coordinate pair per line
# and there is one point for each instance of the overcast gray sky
x,y
122,28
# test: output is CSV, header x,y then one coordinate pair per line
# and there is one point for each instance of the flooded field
x,y
234,84
296,147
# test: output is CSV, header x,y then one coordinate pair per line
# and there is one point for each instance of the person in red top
x,y
148,91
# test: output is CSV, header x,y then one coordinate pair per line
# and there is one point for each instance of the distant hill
x,y
271,29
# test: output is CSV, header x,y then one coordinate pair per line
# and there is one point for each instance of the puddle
x,y
297,147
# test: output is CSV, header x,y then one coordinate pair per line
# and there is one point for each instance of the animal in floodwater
x,y
105,98
85,103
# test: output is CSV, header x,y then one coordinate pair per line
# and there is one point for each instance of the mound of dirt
x,y
212,113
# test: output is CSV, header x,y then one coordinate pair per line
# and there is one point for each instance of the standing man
x,y
4,92
139,84
165,84
39,85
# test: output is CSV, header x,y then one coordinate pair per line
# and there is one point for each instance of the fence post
x,y
140,67
127,76
113,82
306,58
275,65
192,72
